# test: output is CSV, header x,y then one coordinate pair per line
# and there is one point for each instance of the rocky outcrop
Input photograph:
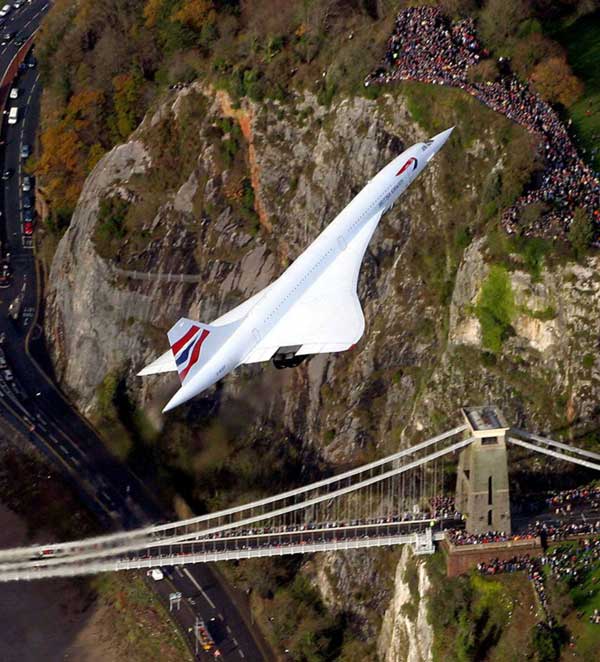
x,y
199,242
406,635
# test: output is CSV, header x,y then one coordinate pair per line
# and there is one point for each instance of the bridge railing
x,y
243,515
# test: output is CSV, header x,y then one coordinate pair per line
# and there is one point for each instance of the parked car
x,y
27,202
7,174
28,228
19,41
26,184
28,216
25,151
14,93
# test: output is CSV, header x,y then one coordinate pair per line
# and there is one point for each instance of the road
x,y
34,406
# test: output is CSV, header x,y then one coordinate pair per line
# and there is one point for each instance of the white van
x,y
13,115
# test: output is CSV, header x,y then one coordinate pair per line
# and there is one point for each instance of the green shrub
x,y
581,232
495,308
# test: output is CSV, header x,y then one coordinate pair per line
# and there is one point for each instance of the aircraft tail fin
x,y
193,344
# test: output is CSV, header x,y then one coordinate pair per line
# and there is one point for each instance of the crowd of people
x,y
560,530
569,563
562,502
497,566
462,537
443,507
427,47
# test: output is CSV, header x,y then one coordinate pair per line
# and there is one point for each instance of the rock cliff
x,y
220,199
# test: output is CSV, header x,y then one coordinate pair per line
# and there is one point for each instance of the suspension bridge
x,y
386,502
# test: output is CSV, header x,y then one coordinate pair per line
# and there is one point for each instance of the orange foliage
x,y
84,102
151,11
555,81
195,13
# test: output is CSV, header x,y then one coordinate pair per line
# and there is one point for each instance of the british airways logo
x,y
186,350
412,161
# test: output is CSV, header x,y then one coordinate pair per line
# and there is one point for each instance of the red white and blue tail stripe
x,y
186,339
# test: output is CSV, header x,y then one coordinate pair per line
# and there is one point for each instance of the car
x,y
7,174
22,66
25,151
19,41
14,93
28,216
26,184
27,202
7,374
28,228
32,63
17,5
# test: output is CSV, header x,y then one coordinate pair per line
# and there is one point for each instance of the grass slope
x,y
582,43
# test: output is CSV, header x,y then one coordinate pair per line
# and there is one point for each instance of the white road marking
x,y
235,641
195,583
241,652
228,629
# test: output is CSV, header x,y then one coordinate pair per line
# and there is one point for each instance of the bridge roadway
x,y
31,406
231,549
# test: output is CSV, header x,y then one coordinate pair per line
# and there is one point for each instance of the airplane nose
x,y
441,138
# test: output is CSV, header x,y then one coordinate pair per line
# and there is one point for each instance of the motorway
x,y
31,404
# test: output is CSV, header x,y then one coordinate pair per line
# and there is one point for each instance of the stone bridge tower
x,y
482,494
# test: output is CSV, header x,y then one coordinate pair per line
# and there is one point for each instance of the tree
x,y
531,50
195,14
500,20
555,81
484,71
581,232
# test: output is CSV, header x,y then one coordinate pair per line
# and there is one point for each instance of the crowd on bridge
x,y
443,507
427,47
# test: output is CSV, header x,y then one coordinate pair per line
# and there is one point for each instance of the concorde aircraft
x,y
312,308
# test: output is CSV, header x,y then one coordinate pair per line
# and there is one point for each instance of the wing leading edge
x,y
328,317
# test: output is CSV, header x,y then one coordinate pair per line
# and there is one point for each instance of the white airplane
x,y
312,308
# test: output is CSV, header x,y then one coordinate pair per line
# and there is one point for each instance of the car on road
x,y
7,374
6,37
26,184
17,5
4,11
19,41
32,63
28,216
14,93
7,174
28,228
25,151
27,202
13,115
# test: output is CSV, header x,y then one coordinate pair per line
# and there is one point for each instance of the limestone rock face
x,y
406,635
208,233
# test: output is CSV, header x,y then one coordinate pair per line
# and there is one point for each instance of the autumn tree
x,y
555,81
500,19
532,50
195,14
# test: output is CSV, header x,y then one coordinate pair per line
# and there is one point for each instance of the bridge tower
x,y
482,494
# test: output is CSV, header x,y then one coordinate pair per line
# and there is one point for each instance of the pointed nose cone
x,y
440,139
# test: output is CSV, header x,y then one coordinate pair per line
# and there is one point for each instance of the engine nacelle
x,y
286,357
